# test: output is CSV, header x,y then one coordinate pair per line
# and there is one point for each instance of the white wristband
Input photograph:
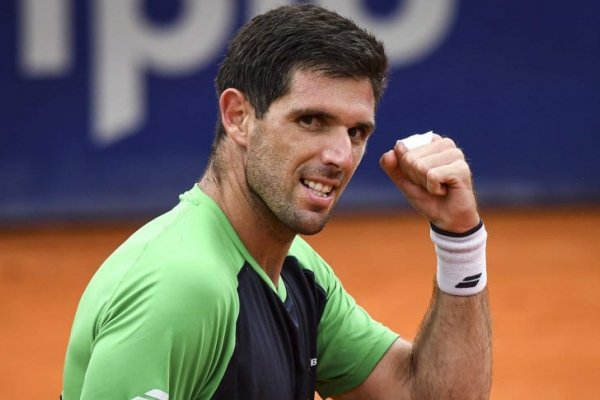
x,y
461,262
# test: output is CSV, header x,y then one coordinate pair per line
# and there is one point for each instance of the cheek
x,y
276,160
358,156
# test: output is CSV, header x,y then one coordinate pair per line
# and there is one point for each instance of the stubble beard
x,y
271,195
280,206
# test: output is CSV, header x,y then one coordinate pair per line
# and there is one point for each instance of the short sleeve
x,y
350,343
161,337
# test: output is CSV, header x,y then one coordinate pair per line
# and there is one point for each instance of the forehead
x,y
337,96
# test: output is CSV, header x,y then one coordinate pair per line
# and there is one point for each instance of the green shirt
x,y
181,310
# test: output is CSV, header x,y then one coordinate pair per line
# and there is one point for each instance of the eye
x,y
311,122
307,120
356,133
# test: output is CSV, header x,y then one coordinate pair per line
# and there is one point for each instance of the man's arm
x,y
454,349
449,359
451,354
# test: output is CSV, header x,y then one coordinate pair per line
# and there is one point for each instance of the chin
x,y
311,231
309,226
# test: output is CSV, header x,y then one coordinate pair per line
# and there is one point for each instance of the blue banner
x,y
108,106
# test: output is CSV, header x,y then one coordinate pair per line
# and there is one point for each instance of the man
x,y
219,298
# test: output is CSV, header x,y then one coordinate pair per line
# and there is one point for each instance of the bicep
x,y
123,365
389,379
350,344
170,343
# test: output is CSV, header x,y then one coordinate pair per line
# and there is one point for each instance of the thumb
x,y
400,148
391,166
388,162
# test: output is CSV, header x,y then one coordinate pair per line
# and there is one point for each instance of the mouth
x,y
318,188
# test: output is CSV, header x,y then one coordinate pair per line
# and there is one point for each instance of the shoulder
x,y
173,266
310,260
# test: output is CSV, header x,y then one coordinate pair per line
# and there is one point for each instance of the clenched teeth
x,y
318,187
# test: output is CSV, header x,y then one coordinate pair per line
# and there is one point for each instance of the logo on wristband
x,y
469,282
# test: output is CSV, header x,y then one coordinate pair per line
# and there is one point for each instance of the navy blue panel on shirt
x,y
275,354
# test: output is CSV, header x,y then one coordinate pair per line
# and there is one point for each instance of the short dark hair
x,y
264,54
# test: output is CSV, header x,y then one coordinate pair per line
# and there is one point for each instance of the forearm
x,y
452,353
450,357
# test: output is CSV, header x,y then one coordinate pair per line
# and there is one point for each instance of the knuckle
x,y
458,153
463,165
421,167
463,169
449,142
432,176
412,160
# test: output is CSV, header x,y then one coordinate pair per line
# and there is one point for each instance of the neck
x,y
265,238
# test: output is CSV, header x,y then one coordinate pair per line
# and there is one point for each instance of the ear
x,y
235,113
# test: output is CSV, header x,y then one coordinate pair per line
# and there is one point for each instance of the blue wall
x,y
108,113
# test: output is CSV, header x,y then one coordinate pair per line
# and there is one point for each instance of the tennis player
x,y
220,298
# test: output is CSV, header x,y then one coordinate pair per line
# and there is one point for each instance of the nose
x,y
337,150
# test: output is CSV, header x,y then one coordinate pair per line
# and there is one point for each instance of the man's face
x,y
302,153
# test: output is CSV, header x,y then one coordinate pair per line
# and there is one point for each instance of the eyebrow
x,y
367,126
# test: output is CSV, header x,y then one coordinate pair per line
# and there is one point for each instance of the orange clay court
x,y
544,280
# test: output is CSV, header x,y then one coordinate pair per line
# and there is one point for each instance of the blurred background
x,y
108,108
